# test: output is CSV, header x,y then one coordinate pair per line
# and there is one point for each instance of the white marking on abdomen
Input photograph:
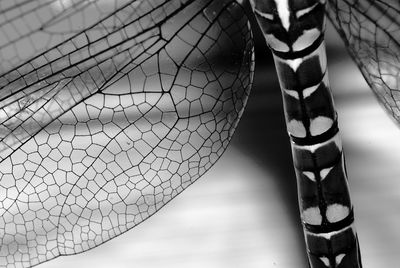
x,y
312,216
325,260
339,258
306,39
283,12
304,11
294,64
310,90
296,128
320,52
292,93
330,234
320,125
324,172
336,212
267,16
309,175
312,148
276,44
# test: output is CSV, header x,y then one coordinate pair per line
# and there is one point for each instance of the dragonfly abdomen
x,y
294,31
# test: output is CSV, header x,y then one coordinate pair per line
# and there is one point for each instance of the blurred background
x,y
243,213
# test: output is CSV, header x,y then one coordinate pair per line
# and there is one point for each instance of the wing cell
x,y
371,31
115,118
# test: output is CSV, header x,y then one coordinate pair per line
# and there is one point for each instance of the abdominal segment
x,y
294,31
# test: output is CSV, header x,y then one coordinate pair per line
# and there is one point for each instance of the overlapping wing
x,y
371,31
106,117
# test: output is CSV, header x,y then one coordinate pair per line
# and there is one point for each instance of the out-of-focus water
x,y
243,213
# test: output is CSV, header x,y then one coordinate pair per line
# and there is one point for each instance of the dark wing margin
x,y
107,120
371,31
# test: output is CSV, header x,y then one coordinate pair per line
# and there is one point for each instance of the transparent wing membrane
x,y
371,30
108,110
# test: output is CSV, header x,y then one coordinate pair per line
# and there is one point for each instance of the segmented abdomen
x,y
294,31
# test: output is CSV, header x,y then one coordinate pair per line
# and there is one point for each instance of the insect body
x,y
130,102
295,35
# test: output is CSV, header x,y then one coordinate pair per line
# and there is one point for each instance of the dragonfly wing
x,y
29,28
371,31
107,126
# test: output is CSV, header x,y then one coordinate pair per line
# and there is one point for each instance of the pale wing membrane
x,y
39,90
371,30
28,27
116,119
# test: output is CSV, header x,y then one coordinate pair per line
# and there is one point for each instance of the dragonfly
x,y
110,109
